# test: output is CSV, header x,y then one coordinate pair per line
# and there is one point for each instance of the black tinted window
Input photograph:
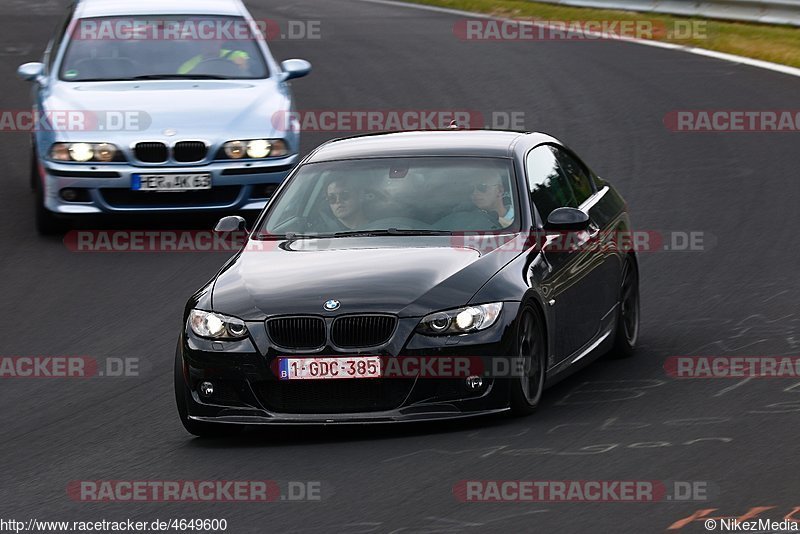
x,y
576,176
549,189
442,194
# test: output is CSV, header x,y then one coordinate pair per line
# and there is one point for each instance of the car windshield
x,y
141,48
396,196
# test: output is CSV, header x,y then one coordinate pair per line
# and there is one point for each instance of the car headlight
x,y
85,152
254,149
234,149
81,152
216,326
461,320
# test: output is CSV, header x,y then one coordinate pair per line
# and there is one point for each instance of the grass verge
x,y
779,44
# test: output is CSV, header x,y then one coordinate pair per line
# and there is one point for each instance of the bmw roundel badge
x,y
332,305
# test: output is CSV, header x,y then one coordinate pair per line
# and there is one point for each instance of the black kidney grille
x,y
297,332
189,151
151,152
334,396
362,330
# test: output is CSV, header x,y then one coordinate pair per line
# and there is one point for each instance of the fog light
x,y
474,382
206,389
75,194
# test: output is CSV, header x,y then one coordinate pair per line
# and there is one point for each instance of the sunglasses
x,y
482,188
335,198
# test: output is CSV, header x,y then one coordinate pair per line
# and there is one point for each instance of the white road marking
x,y
768,65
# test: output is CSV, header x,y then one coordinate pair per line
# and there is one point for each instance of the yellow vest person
x,y
237,56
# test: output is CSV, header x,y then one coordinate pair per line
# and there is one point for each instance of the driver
x,y
488,194
238,57
346,203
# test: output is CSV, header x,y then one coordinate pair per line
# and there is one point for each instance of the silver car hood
x,y
197,109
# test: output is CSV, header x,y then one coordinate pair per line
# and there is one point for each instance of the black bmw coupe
x,y
412,276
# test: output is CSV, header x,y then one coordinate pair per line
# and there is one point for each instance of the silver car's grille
x,y
189,151
151,152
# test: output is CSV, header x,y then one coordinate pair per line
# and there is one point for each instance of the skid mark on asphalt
x,y
431,525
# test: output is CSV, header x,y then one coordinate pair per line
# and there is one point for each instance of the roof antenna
x,y
453,125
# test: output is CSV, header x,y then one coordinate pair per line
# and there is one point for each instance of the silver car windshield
x,y
140,48
397,196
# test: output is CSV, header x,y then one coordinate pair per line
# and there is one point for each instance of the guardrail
x,y
763,11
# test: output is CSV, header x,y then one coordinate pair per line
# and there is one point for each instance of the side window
x,y
548,186
576,176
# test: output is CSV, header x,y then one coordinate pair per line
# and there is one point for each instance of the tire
x,y
627,330
47,223
197,428
526,390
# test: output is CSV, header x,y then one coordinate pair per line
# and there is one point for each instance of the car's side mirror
x,y
295,68
30,71
231,223
567,219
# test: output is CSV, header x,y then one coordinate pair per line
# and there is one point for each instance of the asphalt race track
x,y
616,420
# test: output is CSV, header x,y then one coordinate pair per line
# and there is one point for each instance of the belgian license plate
x,y
324,368
171,182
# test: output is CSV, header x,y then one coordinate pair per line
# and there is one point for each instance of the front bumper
x,y
235,186
409,415
247,390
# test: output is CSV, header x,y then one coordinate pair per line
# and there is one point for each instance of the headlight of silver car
x,y
461,320
85,152
254,149
216,326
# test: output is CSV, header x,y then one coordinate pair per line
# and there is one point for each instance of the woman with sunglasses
x,y
346,204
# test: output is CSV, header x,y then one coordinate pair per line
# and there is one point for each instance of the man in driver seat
x,y
488,194
238,57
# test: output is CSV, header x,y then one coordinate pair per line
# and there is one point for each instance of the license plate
x,y
324,368
171,182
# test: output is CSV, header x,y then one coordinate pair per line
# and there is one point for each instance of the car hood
x,y
409,277
197,108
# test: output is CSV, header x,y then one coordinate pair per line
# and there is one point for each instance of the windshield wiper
x,y
390,231
292,236
179,77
